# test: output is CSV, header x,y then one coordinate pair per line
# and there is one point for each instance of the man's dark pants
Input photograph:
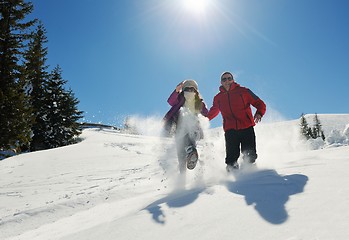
x,y
244,137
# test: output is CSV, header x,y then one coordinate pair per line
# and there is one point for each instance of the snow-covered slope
x,y
120,186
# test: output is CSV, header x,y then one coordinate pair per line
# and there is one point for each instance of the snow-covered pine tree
x,y
322,135
36,76
15,110
314,132
61,112
317,129
305,129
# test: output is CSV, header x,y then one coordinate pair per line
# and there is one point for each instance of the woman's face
x,y
189,93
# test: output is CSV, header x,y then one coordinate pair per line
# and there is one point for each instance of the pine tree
x,y
71,117
305,129
317,129
36,76
61,112
314,132
322,135
15,110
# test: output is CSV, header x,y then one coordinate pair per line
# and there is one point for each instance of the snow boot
x,y
192,157
232,168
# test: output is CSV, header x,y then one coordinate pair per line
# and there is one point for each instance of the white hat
x,y
190,83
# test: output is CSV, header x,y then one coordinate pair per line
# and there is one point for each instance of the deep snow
x,y
115,185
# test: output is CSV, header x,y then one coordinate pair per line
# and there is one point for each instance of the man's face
x,y
226,81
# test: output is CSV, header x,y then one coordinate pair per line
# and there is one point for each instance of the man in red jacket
x,y
234,103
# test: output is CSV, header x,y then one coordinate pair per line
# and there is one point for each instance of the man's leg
x,y
232,146
248,145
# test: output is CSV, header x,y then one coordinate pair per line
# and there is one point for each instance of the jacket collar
x,y
233,86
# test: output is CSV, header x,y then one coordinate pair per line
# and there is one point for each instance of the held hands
x,y
179,87
257,118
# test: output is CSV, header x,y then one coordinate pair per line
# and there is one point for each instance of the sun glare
x,y
196,6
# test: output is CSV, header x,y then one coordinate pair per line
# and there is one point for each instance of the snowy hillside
x,y
114,185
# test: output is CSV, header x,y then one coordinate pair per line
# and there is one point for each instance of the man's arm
x,y
258,104
214,110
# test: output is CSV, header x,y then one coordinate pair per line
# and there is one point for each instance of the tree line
x,y
311,132
36,110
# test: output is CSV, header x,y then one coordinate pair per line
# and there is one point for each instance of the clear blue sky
x,y
124,57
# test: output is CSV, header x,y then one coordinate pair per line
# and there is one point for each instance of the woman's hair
x,y
198,101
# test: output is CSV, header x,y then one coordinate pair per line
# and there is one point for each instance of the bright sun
x,y
196,6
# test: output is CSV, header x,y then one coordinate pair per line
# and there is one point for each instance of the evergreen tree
x,y
317,129
322,135
15,111
309,132
305,129
71,117
61,113
36,76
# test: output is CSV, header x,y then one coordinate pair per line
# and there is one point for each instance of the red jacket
x,y
235,108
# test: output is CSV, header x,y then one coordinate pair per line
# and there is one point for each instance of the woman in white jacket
x,y
183,117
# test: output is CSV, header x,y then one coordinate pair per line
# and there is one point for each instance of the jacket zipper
x,y
231,110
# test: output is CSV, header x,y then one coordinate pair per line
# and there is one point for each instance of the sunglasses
x,y
227,79
189,89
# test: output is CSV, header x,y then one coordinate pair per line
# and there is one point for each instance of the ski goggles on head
x,y
189,89
227,79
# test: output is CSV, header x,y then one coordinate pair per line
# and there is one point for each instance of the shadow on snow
x,y
265,189
175,199
268,192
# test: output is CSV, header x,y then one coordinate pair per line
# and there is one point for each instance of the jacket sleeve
x,y
257,103
214,110
173,98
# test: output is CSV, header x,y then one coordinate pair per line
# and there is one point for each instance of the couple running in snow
x,y
233,102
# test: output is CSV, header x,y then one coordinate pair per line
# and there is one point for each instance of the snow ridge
x,y
114,185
